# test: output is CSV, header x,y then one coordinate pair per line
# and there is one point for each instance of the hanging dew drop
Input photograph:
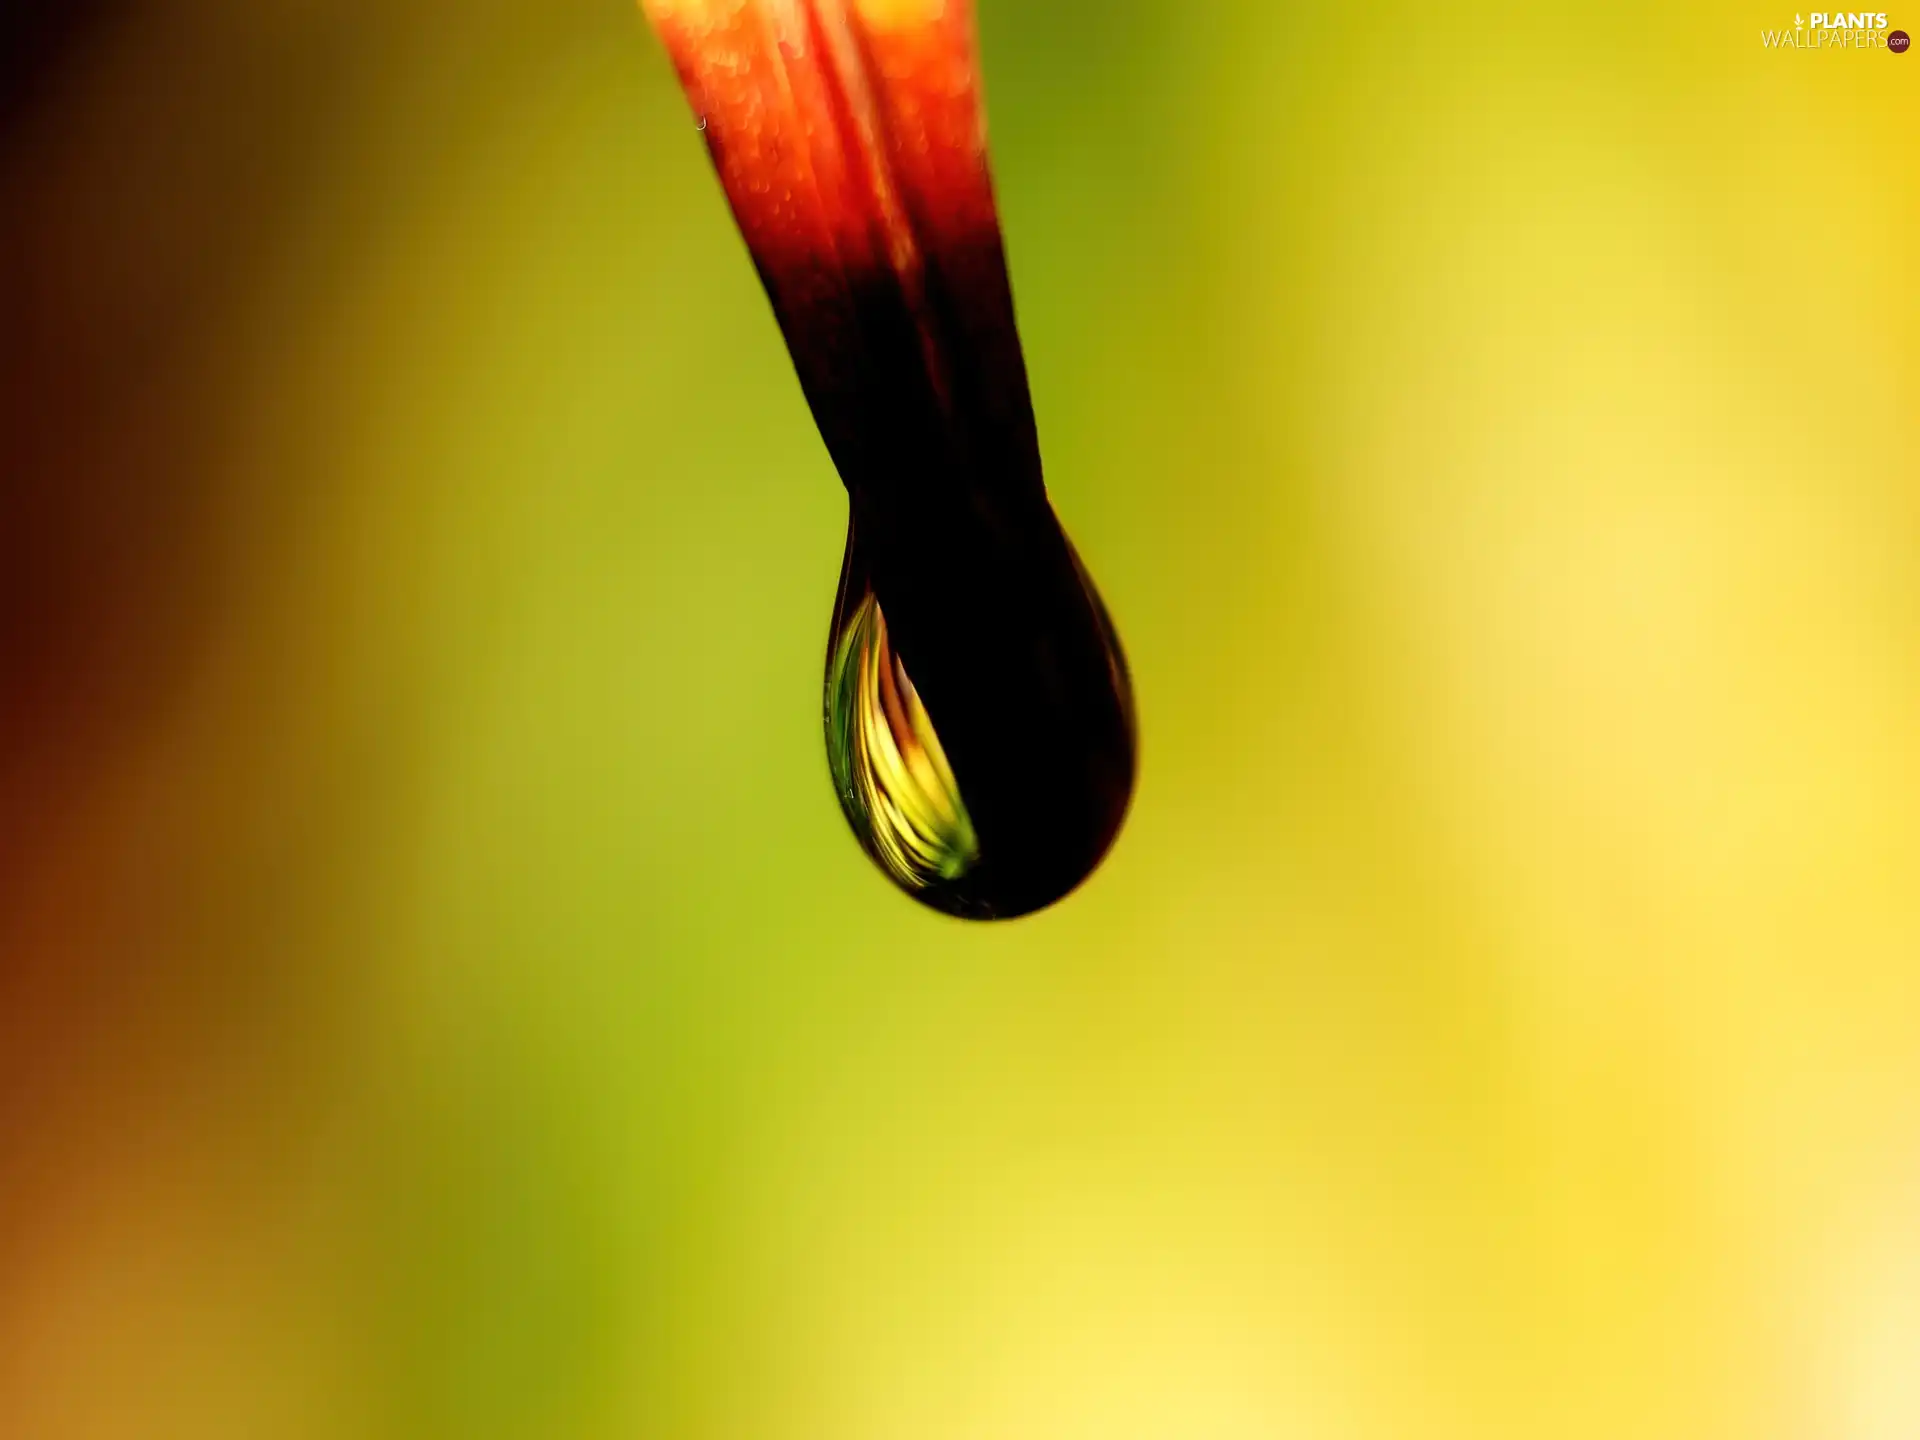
x,y
1043,723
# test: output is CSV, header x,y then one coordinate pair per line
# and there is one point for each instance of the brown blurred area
x,y
139,193
190,719
153,158
186,190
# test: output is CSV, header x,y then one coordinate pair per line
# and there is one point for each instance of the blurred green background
x,y
438,996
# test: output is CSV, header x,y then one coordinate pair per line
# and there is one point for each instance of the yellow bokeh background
x,y
441,998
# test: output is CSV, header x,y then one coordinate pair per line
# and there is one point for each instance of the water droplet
x,y
980,738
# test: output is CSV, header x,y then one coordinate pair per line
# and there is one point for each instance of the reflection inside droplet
x,y
895,783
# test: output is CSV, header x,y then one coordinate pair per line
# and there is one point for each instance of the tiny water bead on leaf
x,y
979,715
